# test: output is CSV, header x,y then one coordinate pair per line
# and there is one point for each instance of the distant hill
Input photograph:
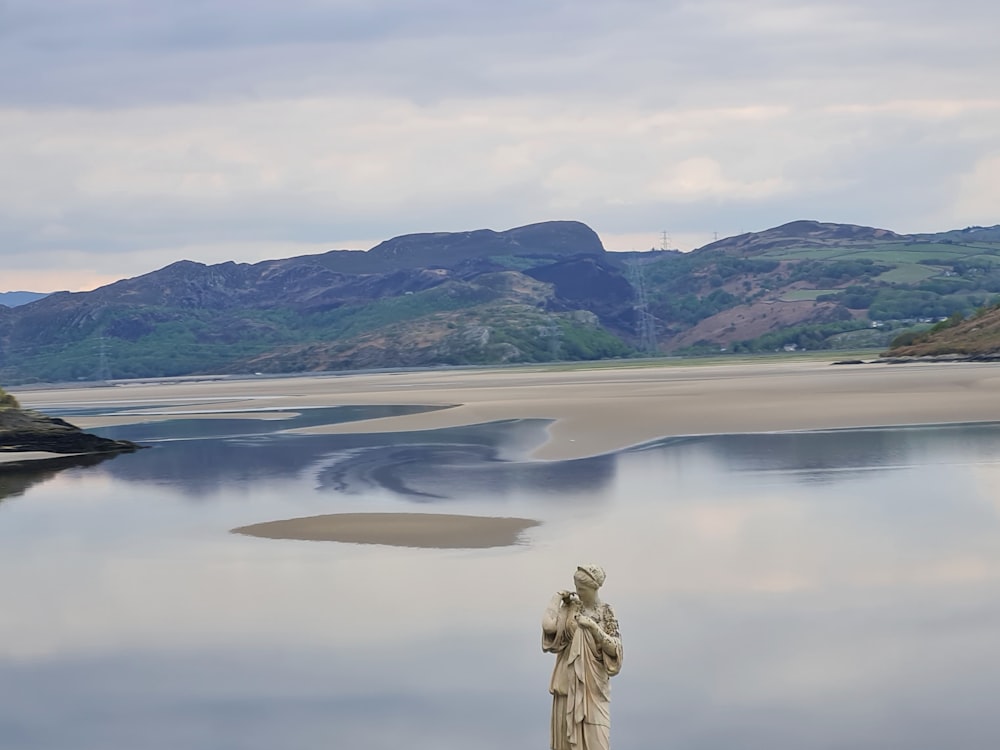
x,y
959,236
543,292
13,299
809,284
415,300
800,235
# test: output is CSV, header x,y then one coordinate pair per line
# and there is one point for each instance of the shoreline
x,y
594,411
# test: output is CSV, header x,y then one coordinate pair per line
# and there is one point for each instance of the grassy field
x,y
893,253
994,259
785,253
908,273
798,295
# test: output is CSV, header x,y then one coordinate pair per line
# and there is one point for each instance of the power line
x,y
554,335
103,370
645,324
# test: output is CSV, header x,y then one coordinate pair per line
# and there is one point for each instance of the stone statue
x,y
583,634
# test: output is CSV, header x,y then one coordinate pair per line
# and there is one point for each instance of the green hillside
x,y
530,294
976,336
790,291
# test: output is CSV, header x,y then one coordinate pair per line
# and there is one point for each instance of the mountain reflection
x,y
422,466
17,481
812,456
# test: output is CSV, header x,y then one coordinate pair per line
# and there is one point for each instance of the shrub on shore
x,y
7,401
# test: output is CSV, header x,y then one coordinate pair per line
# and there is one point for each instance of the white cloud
x,y
978,198
143,132
702,177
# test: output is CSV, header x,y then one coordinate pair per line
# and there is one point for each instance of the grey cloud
x,y
95,53
132,126
878,168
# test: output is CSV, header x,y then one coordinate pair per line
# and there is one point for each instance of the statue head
x,y
589,576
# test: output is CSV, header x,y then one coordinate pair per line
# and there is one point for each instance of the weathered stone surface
x,y
582,631
23,430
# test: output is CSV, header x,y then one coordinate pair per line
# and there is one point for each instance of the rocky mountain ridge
x,y
543,292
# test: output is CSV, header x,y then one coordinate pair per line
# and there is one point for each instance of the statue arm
x,y
550,619
554,624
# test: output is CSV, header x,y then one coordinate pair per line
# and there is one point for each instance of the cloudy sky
x,y
134,133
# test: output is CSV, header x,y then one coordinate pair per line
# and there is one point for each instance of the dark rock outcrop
x,y
23,430
447,249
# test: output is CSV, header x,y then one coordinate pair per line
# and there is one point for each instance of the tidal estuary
x,y
806,590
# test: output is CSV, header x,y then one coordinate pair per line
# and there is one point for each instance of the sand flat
x,y
26,457
432,530
599,411
609,408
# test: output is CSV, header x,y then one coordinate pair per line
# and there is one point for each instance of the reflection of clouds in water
x,y
812,456
758,611
987,478
281,697
227,591
817,670
667,525
705,528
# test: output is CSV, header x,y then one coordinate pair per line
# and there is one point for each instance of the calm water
x,y
815,590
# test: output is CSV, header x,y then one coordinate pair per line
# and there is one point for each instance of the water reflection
x,y
808,590
423,466
17,478
271,421
811,455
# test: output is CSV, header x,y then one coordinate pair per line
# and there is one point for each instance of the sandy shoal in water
x,y
434,530
592,411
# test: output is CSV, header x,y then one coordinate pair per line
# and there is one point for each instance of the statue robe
x,y
580,685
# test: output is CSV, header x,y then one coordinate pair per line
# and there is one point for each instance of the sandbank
x,y
435,530
26,457
594,411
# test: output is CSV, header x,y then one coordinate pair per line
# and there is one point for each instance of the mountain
x,y
13,299
530,294
444,298
809,284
